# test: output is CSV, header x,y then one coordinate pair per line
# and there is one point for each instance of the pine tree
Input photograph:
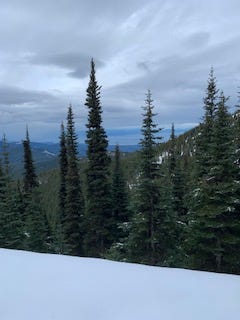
x,y
203,164
98,216
36,228
30,177
172,151
62,194
6,162
176,177
16,223
120,204
63,164
150,224
205,136
74,205
178,205
235,255
3,208
11,220
214,226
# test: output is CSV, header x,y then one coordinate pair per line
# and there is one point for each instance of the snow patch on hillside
x,y
46,287
48,153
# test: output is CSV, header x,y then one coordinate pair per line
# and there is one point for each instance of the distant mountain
x,y
45,154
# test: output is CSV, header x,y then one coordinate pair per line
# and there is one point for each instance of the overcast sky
x,y
165,45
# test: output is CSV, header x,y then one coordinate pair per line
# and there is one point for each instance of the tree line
x,y
179,210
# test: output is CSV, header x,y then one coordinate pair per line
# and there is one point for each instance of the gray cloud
x,y
77,62
198,39
144,65
13,95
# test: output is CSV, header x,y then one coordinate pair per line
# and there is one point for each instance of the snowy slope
x,y
47,287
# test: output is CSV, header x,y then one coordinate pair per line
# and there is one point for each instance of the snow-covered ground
x,y
47,287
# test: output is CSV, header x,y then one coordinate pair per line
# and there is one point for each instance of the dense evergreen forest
x,y
171,204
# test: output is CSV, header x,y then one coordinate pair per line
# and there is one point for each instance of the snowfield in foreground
x,y
47,287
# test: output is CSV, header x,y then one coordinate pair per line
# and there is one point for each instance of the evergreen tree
x,y
15,237
6,158
63,164
3,208
120,204
11,222
203,164
62,194
98,216
231,257
215,226
172,151
176,176
74,204
178,205
148,239
30,177
204,140
36,228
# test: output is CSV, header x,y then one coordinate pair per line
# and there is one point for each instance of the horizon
x,y
123,137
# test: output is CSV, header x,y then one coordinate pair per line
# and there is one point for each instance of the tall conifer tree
x,y
98,193
204,140
148,239
36,228
214,226
204,161
63,167
62,193
74,206
176,176
119,198
11,219
30,177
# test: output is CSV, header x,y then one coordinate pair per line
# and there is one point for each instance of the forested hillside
x,y
174,203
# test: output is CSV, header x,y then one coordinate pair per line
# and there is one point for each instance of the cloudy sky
x,y
165,45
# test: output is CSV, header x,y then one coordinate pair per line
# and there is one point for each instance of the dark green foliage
x,y
172,152
120,203
231,257
49,190
177,189
15,236
74,205
62,193
4,212
30,177
6,164
63,167
177,179
204,156
11,207
36,229
120,210
214,225
98,218
148,239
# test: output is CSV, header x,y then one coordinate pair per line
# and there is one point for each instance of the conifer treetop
x,y
211,96
93,100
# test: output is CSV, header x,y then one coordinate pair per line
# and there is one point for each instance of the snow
x,y
47,287
49,153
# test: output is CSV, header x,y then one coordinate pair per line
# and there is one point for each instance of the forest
x,y
174,203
